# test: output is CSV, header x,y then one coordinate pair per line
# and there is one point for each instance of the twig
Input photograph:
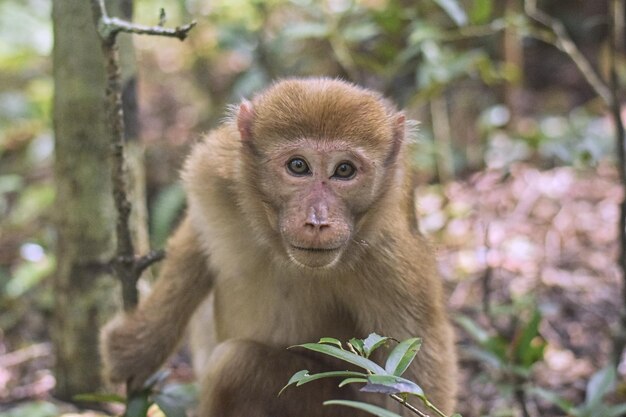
x,y
108,27
407,405
565,43
127,266
147,260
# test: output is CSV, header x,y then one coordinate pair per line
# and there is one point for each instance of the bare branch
x,y
409,406
565,43
111,26
108,27
148,260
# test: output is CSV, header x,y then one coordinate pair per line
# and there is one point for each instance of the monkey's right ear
x,y
398,138
245,117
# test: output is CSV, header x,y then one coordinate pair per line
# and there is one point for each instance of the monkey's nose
x,y
317,219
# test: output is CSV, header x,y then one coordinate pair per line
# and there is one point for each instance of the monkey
x,y
300,224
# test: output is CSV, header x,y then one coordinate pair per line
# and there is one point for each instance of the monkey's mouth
x,y
314,257
316,249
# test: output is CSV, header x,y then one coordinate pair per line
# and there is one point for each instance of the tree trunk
x,y
85,218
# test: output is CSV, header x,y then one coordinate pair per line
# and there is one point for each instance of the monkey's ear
x,y
398,138
245,117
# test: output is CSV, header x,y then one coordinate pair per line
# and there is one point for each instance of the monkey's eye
x,y
344,171
298,167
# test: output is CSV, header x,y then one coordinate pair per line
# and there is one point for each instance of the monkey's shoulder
x,y
214,158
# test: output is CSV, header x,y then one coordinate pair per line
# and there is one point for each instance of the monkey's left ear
x,y
245,117
398,138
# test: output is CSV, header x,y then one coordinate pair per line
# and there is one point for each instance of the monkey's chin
x,y
314,258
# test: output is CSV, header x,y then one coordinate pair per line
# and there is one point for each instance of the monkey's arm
x,y
134,345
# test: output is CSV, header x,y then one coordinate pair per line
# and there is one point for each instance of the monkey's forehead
x,y
322,109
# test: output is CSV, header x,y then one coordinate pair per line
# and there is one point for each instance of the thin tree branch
x,y
123,263
126,265
108,27
409,406
149,259
565,43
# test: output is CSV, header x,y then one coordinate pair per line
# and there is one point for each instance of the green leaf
x,y
33,409
295,378
553,398
357,344
353,381
402,355
391,384
616,410
419,34
373,342
184,394
170,406
372,409
454,10
27,275
521,371
473,329
360,32
485,356
99,398
156,378
330,374
526,351
32,202
481,11
10,183
344,356
303,377
307,30
138,405
498,346
600,384
330,341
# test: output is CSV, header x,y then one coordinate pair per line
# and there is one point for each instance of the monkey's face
x,y
315,153
316,193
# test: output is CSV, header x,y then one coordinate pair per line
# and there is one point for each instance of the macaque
x,y
300,225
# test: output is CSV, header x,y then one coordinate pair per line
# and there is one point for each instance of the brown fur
x,y
362,266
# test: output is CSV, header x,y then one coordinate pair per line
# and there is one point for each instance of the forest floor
x,y
509,243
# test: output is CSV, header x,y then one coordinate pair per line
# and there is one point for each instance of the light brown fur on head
x,y
300,225
326,109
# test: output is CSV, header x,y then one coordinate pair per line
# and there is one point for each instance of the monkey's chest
x,y
278,312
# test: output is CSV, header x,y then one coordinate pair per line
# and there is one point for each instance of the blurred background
x,y
518,174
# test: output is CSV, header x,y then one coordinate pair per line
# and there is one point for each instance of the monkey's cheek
x,y
314,259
